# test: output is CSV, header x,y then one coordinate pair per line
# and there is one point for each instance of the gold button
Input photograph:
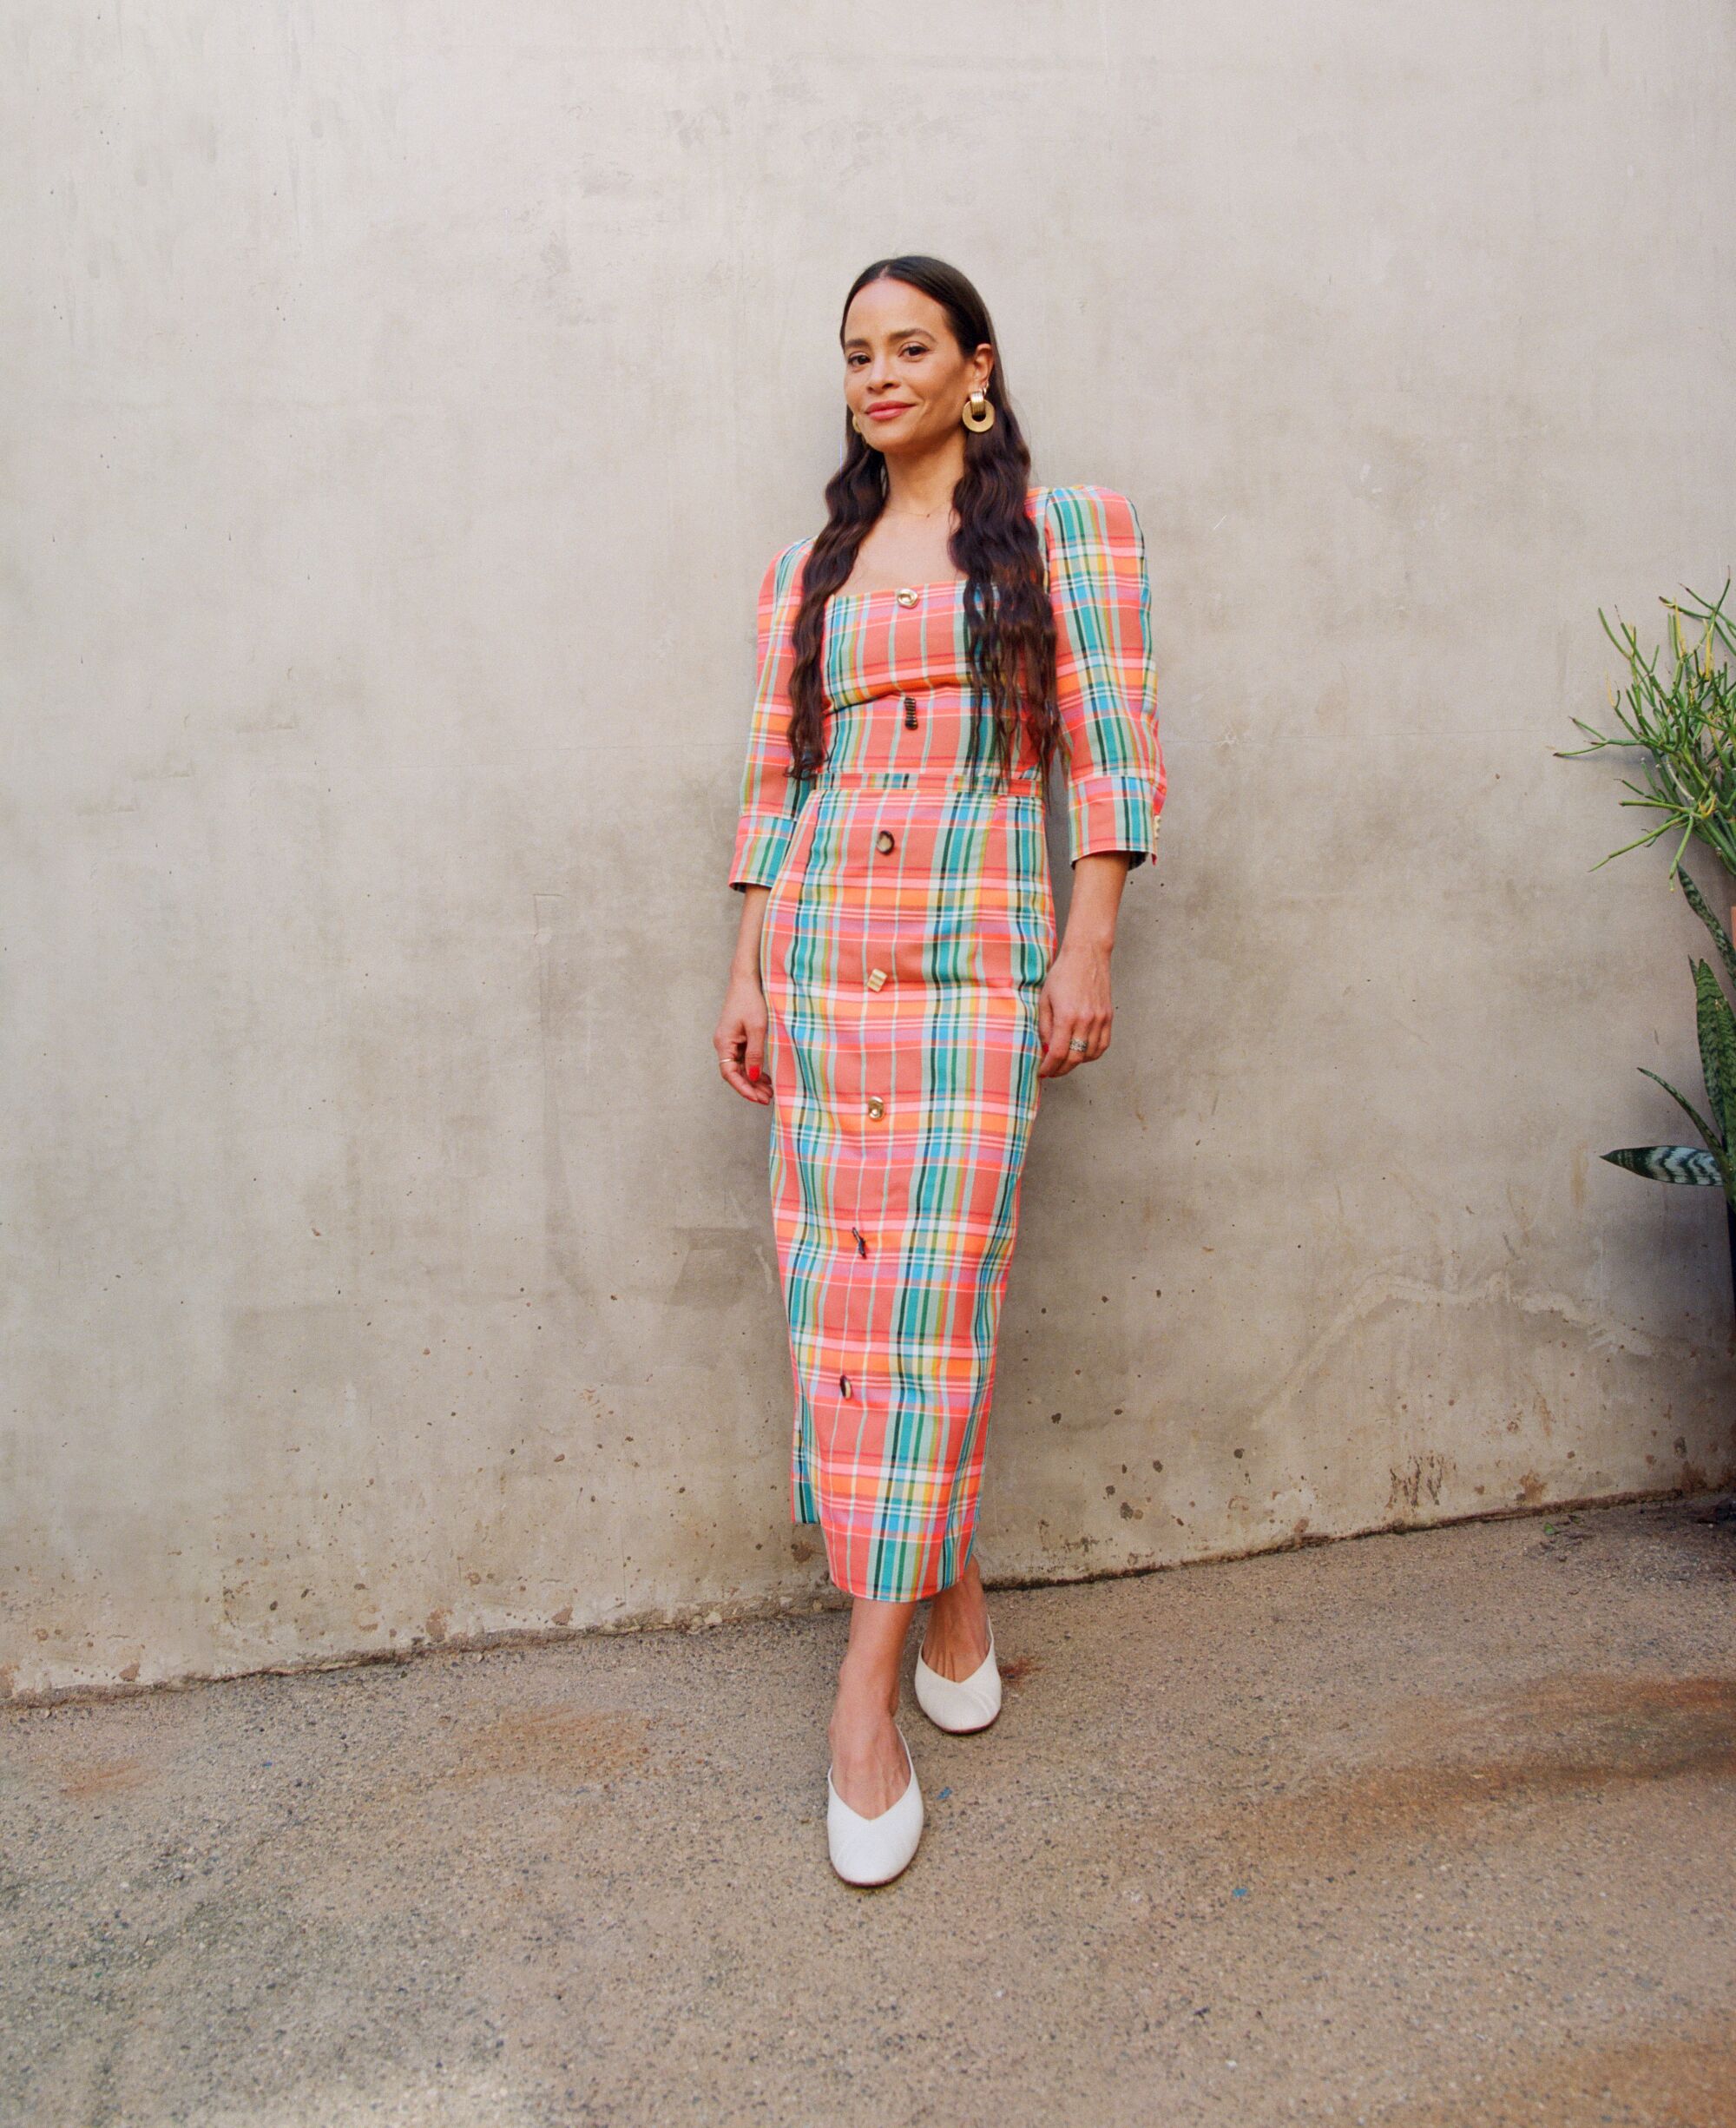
x,y
877,978
907,598
883,842
876,1107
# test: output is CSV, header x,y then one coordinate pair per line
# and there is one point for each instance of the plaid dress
x,y
907,935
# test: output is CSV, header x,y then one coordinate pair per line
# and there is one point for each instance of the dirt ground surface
x,y
1426,1828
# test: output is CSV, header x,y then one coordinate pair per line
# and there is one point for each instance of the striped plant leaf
x,y
1687,1107
1717,1027
1697,902
1669,1163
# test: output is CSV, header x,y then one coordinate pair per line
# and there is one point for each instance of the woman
x,y
897,994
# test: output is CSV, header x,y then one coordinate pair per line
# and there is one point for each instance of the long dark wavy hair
x,y
997,545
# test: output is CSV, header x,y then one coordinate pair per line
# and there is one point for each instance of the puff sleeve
x,y
769,794
1106,674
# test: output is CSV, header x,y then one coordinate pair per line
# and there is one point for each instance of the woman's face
x,y
900,358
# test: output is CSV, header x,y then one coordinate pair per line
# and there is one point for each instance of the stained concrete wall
x,y
401,402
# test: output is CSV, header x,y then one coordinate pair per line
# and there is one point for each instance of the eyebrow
x,y
909,332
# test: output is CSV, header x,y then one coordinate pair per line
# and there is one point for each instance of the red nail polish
x,y
754,1071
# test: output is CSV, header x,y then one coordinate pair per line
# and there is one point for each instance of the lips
x,y
885,411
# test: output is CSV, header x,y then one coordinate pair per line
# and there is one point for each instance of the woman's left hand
x,y
1075,1007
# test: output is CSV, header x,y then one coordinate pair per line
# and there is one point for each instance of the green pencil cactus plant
x,y
1684,725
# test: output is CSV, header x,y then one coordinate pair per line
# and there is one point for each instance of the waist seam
x,y
901,780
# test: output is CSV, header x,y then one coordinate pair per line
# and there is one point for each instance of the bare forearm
x,y
741,1037
746,959
1075,1012
1097,885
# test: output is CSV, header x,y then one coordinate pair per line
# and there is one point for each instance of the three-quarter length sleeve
x,y
1105,672
768,791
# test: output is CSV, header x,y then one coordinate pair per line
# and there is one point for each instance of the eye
x,y
916,347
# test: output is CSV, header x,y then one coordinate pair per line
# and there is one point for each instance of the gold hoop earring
x,y
978,413
856,423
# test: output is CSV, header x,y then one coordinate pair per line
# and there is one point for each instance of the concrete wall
x,y
401,402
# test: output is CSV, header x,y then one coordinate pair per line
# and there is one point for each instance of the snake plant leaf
x,y
1717,1027
1697,902
1687,1108
1669,1163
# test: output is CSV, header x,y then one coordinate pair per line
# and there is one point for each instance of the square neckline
x,y
937,583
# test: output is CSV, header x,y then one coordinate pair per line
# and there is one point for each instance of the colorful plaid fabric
x,y
907,935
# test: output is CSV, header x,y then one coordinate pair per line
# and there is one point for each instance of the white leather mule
x,y
874,1850
961,1704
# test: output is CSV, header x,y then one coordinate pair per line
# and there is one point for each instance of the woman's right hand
x,y
740,1039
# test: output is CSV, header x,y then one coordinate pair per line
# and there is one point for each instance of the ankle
x,y
953,1606
861,1690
